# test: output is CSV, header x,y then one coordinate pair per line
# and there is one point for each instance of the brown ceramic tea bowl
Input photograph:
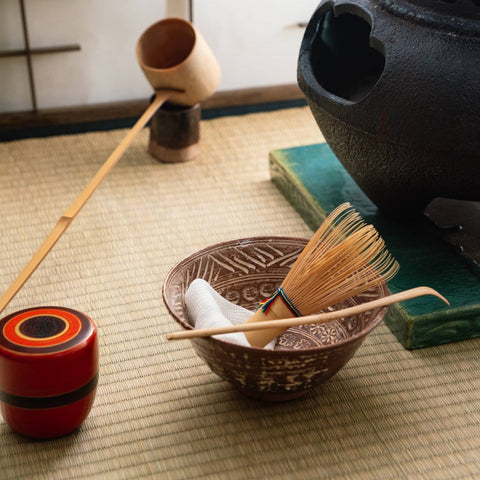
x,y
246,272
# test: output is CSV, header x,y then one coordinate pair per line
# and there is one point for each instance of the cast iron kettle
x,y
394,86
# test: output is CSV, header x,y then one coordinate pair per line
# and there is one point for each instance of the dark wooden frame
x,y
132,109
28,52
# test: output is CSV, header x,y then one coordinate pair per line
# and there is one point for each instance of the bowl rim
x,y
359,335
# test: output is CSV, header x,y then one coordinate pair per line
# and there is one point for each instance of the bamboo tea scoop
x,y
286,323
181,68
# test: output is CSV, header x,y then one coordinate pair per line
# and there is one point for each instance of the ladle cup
x,y
182,69
175,57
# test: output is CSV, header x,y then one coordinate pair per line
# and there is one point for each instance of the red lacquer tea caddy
x,y
48,370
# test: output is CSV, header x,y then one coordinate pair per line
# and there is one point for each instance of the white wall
x,y
255,41
104,70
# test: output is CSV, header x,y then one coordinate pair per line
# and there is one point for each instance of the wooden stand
x,y
175,133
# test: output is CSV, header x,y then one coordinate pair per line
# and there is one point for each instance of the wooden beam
x,y
28,55
135,108
39,51
253,96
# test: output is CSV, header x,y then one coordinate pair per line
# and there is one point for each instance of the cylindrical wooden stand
x,y
175,133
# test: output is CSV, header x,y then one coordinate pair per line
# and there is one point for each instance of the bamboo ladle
x,y
181,68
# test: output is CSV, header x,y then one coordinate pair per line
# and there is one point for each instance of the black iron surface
x,y
395,88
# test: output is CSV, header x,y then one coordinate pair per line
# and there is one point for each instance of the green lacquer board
x,y
314,182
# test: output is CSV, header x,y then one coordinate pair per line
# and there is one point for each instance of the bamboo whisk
x,y
344,258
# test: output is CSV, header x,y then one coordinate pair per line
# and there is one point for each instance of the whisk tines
x,y
344,258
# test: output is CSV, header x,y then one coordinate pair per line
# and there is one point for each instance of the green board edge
x,y
313,180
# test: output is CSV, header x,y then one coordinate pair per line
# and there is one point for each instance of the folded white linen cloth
x,y
206,308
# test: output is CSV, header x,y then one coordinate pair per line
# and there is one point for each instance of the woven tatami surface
x,y
159,411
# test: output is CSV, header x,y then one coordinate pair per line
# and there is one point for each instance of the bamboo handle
x,y
160,97
277,311
309,319
67,218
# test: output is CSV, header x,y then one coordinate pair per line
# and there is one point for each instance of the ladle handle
x,y
67,218
310,319
160,98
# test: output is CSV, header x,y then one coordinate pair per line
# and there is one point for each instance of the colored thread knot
x,y
267,304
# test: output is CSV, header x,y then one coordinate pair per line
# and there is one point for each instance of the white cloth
x,y
207,308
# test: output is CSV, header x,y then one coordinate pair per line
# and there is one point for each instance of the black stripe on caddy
x,y
49,402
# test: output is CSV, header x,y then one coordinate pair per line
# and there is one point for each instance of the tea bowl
x,y
247,271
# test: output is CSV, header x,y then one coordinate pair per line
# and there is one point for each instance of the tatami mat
x,y
159,411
